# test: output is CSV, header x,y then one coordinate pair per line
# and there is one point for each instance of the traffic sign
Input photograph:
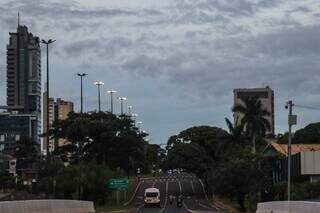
x,y
120,183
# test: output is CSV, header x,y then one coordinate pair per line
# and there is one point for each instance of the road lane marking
x,y
180,187
166,198
207,207
186,207
204,191
134,194
192,186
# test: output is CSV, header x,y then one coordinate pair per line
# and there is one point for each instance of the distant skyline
x,y
177,61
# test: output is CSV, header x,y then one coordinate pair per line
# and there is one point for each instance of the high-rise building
x,y
23,72
265,95
23,90
63,108
58,110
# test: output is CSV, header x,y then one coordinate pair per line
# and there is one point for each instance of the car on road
x,y
152,197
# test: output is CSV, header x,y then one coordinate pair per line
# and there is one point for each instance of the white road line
x,y
207,207
180,187
166,198
134,194
192,186
204,191
186,207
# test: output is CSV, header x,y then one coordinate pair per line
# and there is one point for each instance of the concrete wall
x,y
289,206
48,206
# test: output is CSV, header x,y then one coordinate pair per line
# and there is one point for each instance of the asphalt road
x,y
194,199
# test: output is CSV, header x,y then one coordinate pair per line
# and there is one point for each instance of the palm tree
x,y
235,132
253,118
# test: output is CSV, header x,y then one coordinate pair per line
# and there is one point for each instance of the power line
x,y
307,107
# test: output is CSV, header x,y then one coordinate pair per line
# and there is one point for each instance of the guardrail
x,y
48,206
288,207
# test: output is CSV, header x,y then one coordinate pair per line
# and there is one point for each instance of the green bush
x,y
299,191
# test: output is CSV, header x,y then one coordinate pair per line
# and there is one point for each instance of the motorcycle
x,y
171,199
179,202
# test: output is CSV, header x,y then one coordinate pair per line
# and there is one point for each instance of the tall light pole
x,y
122,99
81,102
50,41
98,84
111,92
130,110
139,125
134,116
292,120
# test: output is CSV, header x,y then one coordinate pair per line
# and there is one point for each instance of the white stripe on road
x,y
180,187
192,186
204,191
166,197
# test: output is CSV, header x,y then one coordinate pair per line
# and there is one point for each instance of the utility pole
x,y
98,84
111,92
48,98
81,78
122,99
292,120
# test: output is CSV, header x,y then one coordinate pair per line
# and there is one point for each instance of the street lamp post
x,y
50,41
99,83
130,110
111,92
139,125
122,99
81,102
292,120
134,116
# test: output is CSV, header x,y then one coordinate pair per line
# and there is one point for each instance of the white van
x,y
152,197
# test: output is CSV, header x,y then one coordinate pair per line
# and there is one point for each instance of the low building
x,y
305,161
15,126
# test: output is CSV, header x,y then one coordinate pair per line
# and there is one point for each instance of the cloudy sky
x,y
177,61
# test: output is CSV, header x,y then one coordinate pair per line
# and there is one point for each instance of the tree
x,y
189,156
103,137
212,139
253,118
235,133
308,135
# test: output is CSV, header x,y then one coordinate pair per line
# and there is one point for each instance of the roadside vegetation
x,y
232,162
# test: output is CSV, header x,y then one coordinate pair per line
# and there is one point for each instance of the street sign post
x,y
120,183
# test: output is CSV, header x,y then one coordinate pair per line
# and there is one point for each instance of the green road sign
x,y
121,183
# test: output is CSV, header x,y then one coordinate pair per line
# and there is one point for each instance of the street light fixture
x,y
111,97
139,125
130,110
98,84
81,102
122,99
50,41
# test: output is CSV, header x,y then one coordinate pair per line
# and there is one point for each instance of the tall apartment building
x,y
265,95
23,118
23,72
58,110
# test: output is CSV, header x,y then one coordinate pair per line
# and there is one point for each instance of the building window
x,y
1,138
17,137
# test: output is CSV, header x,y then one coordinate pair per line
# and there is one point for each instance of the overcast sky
x,y
177,61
